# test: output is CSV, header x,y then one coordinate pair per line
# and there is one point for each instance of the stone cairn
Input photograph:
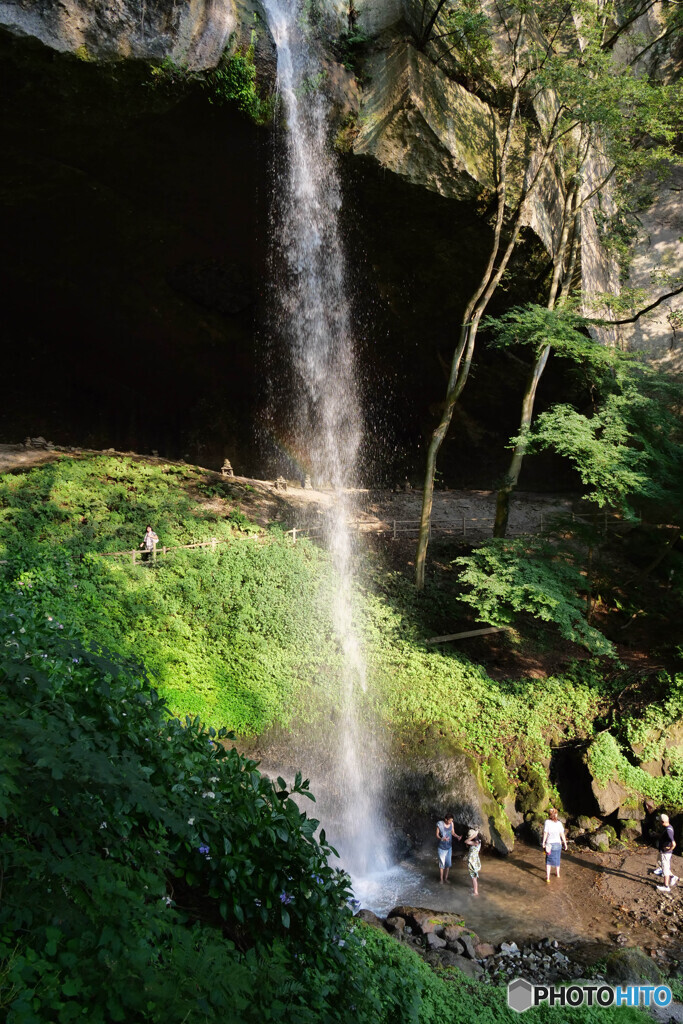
x,y
226,468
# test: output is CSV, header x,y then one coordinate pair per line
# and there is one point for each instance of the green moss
x,y
500,783
606,761
532,793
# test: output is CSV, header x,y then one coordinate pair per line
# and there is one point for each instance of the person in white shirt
x,y
149,543
553,841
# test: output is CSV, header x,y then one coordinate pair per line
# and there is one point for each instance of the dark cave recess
x,y
135,268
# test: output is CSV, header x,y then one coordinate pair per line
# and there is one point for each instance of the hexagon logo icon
x,y
520,995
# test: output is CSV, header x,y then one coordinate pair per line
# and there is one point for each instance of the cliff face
x,y
137,216
194,32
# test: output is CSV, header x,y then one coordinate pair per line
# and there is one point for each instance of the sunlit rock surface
x,y
194,33
657,268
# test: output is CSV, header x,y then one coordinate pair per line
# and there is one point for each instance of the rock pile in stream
x,y
444,940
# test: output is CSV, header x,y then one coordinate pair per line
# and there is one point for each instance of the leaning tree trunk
x,y
511,479
462,356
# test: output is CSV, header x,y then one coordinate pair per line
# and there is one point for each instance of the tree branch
x,y
642,312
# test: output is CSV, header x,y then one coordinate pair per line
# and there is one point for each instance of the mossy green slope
x,y
243,635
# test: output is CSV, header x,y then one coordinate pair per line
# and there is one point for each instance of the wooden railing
x,y
143,554
461,525
394,527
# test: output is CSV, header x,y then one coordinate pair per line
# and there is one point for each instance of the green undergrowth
x,y
150,873
608,761
230,634
242,635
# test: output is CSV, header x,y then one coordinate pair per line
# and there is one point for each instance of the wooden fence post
x,y
134,553
294,535
394,529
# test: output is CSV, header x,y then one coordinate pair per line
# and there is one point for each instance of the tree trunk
x,y
570,221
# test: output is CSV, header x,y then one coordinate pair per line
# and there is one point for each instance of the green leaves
x,y
120,827
228,635
505,577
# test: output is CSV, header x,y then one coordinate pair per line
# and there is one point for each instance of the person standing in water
x,y
473,859
553,841
445,833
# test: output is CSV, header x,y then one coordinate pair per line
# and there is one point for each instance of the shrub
x,y
133,845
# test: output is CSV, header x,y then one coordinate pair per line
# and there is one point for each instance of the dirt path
x,y
466,514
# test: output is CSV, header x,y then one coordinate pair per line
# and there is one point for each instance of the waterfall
x,y
314,319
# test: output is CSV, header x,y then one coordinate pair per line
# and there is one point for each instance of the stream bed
x,y
516,904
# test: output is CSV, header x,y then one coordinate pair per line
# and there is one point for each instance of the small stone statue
x,y
308,486
280,484
407,486
226,468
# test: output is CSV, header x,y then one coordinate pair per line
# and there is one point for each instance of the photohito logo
x,y
522,995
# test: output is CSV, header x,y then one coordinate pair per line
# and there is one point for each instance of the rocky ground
x,y
395,514
643,948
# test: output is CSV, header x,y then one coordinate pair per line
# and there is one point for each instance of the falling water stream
x,y
314,318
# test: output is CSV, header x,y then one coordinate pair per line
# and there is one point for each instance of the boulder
x,y
535,826
484,950
632,811
395,925
453,932
588,824
370,918
630,829
434,774
602,760
433,941
468,967
446,958
425,922
468,945
610,795
599,842
632,966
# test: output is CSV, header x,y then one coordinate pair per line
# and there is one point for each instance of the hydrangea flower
x,y
203,848
285,897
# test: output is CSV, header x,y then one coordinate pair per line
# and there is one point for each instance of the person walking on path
x,y
553,841
667,845
149,543
473,860
445,832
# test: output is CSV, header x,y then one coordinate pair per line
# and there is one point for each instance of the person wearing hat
x,y
473,840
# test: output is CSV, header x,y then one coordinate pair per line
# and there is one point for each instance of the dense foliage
x,y
505,577
229,635
242,636
151,874
133,846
